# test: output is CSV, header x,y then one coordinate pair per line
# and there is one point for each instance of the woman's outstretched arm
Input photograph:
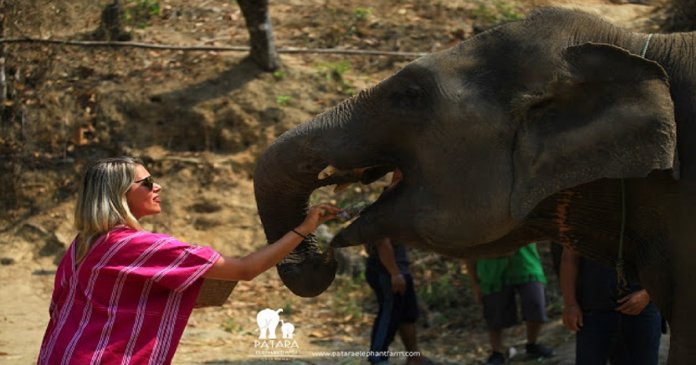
x,y
248,267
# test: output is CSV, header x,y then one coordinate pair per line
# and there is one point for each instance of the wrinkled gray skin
x,y
525,132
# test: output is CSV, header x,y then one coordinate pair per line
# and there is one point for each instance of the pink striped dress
x,y
127,302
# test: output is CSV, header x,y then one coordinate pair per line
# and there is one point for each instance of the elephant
x,y
287,329
560,126
267,320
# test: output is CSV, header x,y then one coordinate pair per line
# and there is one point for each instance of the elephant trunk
x,y
285,177
287,174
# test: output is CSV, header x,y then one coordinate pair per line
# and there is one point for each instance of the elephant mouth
x,y
331,175
357,212
292,171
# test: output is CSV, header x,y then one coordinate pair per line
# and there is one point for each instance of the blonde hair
x,y
101,202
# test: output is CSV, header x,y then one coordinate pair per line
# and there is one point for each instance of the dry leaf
x,y
317,334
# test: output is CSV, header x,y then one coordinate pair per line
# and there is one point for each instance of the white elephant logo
x,y
287,329
268,319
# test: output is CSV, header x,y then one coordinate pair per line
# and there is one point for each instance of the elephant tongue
x,y
343,178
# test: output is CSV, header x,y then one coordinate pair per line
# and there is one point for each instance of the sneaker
x,y
538,351
496,358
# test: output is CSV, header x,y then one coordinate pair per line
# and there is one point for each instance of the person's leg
x,y
593,342
495,338
619,353
384,326
497,356
499,311
533,329
407,332
409,316
407,328
533,302
533,348
641,336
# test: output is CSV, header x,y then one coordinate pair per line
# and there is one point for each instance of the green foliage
x,y
554,303
333,70
139,12
361,13
497,11
445,288
283,99
279,75
231,326
287,308
333,73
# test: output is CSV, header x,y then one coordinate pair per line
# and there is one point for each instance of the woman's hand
x,y
248,267
317,215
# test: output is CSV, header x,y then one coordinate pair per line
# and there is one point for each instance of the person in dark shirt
x,y
619,329
387,273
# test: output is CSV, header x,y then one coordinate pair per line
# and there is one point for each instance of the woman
x,y
123,295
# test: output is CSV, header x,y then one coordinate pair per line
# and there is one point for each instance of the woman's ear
x,y
609,114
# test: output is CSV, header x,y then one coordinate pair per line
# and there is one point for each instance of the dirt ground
x,y
199,119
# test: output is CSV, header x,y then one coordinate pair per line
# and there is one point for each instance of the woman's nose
x,y
156,187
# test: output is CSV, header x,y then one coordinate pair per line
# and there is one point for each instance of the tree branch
x,y
208,48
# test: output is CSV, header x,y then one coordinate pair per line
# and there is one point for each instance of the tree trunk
x,y
110,28
258,22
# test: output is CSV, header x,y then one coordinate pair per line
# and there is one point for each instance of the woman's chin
x,y
153,211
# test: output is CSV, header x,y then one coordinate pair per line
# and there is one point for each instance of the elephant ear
x,y
608,114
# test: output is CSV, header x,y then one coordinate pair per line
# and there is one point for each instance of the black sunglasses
x,y
148,182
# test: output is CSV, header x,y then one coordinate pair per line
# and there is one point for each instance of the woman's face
x,y
141,199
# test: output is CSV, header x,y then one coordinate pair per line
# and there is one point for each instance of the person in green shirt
x,y
495,283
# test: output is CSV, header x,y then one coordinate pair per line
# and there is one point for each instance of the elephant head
x,y
483,132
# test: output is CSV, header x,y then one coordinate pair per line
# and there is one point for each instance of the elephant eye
x,y
408,98
412,92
